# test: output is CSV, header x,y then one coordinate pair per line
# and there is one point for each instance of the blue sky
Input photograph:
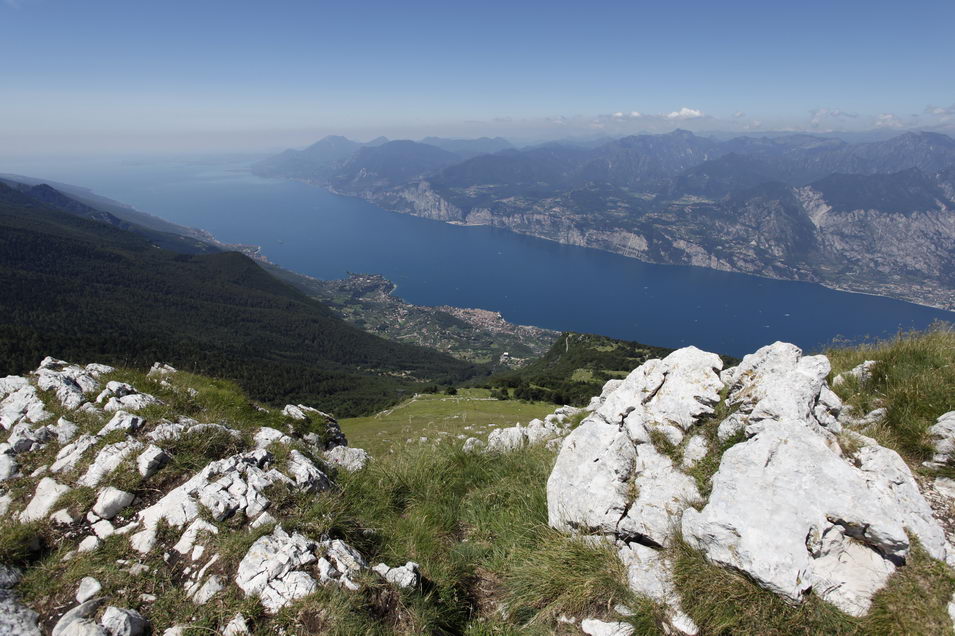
x,y
101,74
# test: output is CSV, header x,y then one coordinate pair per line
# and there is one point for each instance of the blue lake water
x,y
530,281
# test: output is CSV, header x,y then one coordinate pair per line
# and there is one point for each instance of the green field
x,y
471,413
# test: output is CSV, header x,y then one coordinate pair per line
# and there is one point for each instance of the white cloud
x,y
943,114
822,116
739,114
685,113
888,120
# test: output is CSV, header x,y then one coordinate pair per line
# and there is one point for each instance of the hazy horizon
x,y
110,77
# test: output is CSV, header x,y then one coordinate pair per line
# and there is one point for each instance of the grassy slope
x,y
82,290
471,413
477,525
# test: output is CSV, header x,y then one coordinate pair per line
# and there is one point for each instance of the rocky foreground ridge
x,y
760,469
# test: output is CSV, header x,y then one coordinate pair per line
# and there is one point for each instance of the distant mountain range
x,y
875,217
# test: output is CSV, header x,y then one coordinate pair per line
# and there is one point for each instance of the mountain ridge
x,y
683,199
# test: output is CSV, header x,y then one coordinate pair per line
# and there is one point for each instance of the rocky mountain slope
x,y
874,217
685,498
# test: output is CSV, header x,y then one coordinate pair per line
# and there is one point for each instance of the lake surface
x,y
530,281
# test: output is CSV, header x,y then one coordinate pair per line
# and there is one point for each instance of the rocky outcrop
x,y
235,490
788,506
609,478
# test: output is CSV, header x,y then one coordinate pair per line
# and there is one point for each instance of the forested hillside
x,y
82,289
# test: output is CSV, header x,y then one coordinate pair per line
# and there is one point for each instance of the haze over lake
x,y
530,281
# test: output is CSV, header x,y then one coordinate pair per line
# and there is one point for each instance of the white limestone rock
x,y
861,373
11,383
791,513
333,433
151,461
88,588
71,454
107,460
202,594
96,370
69,381
504,440
588,490
123,622
160,369
597,627
88,544
267,435
62,517
347,458
650,574
122,421
696,449
231,486
306,474
602,483
406,576
78,614
22,405
472,445
540,431
271,569
64,430
677,391
8,466
47,493
24,438
110,501
778,382
15,618
187,541
236,627
942,435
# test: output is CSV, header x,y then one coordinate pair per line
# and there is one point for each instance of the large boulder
x,y
609,478
790,512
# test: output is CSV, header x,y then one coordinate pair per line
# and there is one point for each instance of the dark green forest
x,y
575,369
86,291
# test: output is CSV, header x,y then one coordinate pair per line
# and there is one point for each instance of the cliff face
x,y
875,217
789,233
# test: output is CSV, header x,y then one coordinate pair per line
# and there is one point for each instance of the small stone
x,y
88,544
123,622
47,493
595,627
103,529
209,589
151,460
236,627
8,466
405,576
80,612
110,501
88,588
62,517
348,458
